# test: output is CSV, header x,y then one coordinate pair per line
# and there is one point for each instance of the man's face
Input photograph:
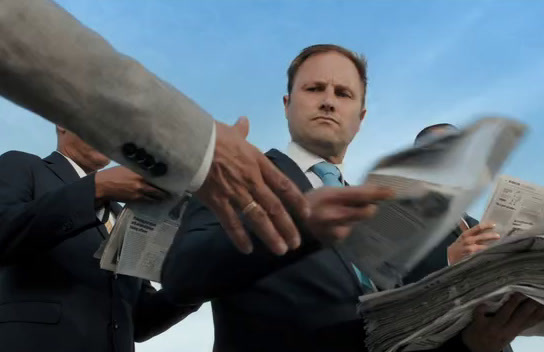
x,y
324,109
83,154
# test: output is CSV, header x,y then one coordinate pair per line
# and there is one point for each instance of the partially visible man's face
x,y
324,109
83,154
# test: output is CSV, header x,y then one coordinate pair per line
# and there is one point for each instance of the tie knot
x,y
328,173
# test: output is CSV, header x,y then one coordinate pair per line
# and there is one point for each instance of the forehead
x,y
440,130
330,67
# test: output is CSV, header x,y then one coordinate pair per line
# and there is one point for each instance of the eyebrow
x,y
323,83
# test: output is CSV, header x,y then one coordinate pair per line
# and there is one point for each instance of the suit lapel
x,y
61,167
291,169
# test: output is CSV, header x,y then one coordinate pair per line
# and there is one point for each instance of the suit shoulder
x,y
18,157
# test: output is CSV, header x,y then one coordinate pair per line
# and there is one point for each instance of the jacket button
x,y
158,169
129,150
115,325
140,155
148,162
67,226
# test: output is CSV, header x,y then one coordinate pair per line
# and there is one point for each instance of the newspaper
x,y
141,237
514,206
425,314
434,183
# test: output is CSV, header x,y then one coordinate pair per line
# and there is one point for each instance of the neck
x,y
75,157
324,152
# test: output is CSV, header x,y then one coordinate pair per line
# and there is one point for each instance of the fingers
x,y
535,318
476,230
504,313
474,248
264,229
242,126
283,230
480,313
484,237
339,215
152,193
284,188
267,223
522,315
233,227
361,195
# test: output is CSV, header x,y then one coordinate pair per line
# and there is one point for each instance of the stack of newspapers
x,y
425,314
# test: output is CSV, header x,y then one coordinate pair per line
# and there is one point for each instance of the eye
x,y
343,93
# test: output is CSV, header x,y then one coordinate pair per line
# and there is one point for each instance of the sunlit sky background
x,y
429,62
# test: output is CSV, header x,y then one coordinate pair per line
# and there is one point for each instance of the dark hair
x,y
428,129
358,60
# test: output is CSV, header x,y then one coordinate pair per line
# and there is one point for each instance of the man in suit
x,y
306,300
54,214
61,70
467,238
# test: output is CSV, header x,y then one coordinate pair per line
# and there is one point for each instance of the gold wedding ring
x,y
249,207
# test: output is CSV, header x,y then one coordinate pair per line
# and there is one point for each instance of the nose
x,y
328,101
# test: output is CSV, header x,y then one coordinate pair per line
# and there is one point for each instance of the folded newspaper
x,y
425,314
142,235
434,183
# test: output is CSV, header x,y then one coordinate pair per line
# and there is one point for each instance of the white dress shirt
x,y
202,173
305,160
81,173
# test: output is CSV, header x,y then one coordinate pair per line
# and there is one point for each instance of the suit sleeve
x,y
29,225
54,66
154,313
202,263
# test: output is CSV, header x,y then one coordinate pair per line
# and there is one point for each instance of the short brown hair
x,y
358,60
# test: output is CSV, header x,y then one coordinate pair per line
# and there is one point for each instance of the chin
x,y
100,164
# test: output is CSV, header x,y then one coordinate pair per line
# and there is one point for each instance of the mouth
x,y
326,118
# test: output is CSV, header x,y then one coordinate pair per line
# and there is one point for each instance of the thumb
x,y
242,126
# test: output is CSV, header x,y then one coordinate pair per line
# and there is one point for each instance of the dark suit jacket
x,y
53,295
302,301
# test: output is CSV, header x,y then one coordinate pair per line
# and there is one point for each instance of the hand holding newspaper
x,y
429,312
425,314
141,237
434,184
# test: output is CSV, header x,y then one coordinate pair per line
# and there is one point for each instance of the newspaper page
x,y
434,184
141,237
514,206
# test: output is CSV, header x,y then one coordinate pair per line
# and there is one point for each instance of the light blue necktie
x,y
330,175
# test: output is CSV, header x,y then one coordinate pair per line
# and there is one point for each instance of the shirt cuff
x,y
202,173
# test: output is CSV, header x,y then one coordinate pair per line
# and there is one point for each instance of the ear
x,y
363,114
361,118
285,103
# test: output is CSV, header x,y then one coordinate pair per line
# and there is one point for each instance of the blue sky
x,y
429,61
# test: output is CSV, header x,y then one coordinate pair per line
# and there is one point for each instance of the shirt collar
x,y
76,167
305,159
